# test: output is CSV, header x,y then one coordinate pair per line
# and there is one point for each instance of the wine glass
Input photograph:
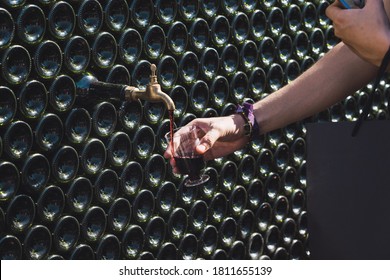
x,y
188,161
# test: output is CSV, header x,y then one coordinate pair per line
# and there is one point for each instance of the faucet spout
x,y
167,100
152,93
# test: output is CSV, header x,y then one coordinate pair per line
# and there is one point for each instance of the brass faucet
x,y
152,93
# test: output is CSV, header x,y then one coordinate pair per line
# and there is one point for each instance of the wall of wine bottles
x,y
87,180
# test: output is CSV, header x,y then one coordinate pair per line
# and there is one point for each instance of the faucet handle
x,y
153,76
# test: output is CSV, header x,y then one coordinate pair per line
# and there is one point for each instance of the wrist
x,y
239,123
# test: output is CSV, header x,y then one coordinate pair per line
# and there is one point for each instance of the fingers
x,y
221,149
207,141
168,152
173,164
352,49
168,155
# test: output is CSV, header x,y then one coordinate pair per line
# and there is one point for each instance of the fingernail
x,y
202,148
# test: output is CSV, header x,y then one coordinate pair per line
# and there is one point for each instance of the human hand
x,y
365,31
223,136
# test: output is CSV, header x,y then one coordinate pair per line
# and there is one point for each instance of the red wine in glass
x,y
191,165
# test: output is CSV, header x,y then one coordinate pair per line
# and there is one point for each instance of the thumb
x,y
207,141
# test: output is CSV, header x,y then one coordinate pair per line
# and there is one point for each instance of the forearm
x,y
338,74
